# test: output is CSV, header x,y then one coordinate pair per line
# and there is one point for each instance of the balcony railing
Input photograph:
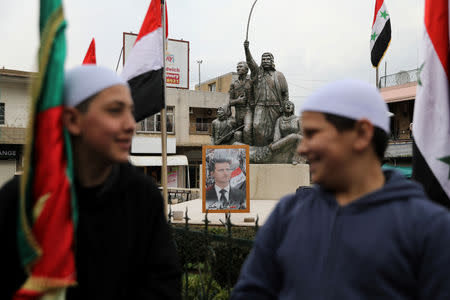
x,y
399,78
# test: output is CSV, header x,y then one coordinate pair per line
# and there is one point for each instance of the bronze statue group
x,y
264,117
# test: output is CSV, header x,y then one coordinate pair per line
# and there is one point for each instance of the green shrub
x,y
223,255
201,285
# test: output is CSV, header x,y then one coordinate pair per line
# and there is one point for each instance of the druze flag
x,y
144,65
90,54
381,33
47,209
431,122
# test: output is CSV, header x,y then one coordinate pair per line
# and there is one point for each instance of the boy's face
x,y
107,127
329,152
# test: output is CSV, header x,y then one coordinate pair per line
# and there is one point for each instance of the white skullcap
x,y
353,99
85,81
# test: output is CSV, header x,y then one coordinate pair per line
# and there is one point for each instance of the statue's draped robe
x,y
271,91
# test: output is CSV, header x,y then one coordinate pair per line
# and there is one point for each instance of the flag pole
x,y
376,75
163,116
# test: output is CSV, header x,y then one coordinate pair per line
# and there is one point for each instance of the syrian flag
x,y
431,123
144,65
237,177
381,33
90,54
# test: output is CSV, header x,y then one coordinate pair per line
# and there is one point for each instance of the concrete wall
x,y
16,96
15,93
273,181
7,170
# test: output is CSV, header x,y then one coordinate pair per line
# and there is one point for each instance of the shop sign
x,y
8,152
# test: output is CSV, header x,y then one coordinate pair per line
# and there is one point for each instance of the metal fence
x,y
399,78
211,256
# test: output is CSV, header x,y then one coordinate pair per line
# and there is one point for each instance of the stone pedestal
x,y
273,181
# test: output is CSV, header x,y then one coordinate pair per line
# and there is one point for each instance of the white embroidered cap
x,y
85,81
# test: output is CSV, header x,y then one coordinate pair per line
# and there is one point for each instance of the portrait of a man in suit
x,y
221,195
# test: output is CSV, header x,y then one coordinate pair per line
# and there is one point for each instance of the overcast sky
x,y
313,42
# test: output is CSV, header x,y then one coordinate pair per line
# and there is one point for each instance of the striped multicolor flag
x,y
431,122
47,214
143,68
381,33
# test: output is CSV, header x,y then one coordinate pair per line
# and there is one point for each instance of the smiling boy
x,y
123,247
359,232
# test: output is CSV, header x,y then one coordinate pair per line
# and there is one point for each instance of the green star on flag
x,y
373,36
384,14
446,160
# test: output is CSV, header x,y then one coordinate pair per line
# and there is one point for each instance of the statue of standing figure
x,y
270,92
241,97
223,128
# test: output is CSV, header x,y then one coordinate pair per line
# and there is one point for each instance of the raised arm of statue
x,y
253,66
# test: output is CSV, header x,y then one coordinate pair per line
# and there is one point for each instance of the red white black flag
x,y
144,65
90,54
381,33
431,123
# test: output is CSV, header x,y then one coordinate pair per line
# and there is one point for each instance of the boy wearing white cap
x,y
359,233
123,246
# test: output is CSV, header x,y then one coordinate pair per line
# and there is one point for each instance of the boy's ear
x,y
72,120
364,134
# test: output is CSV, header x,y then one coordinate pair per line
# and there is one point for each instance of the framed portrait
x,y
225,179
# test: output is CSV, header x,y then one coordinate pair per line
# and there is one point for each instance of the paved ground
x,y
260,208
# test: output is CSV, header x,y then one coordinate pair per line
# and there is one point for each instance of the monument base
x,y
273,181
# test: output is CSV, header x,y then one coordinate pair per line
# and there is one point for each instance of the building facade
x,y
399,92
219,84
14,112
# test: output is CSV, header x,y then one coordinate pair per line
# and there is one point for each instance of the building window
x,y
202,124
212,87
153,123
2,113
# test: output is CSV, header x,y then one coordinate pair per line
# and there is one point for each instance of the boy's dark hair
x,y
379,139
83,106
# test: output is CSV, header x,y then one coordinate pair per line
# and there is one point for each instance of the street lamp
x,y
199,63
